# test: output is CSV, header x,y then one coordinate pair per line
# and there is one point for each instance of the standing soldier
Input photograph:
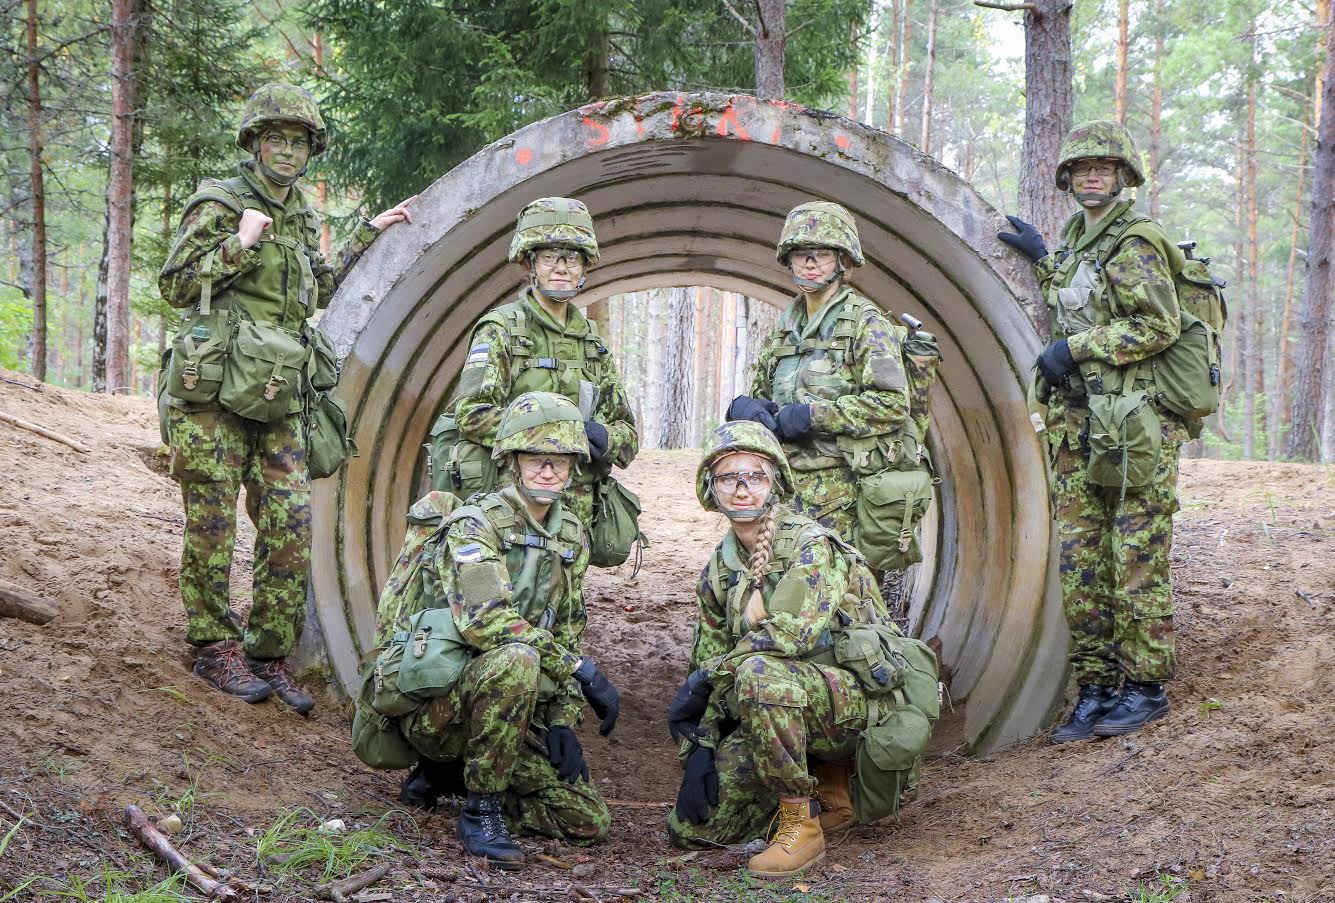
x,y
1112,307
247,260
540,342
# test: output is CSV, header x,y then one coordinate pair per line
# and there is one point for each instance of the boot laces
x,y
790,820
232,664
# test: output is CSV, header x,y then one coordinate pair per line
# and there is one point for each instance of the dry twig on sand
x,y
43,431
339,891
156,841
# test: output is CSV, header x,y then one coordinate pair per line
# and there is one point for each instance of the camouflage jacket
x,y
267,281
518,348
803,588
846,362
1133,307
510,579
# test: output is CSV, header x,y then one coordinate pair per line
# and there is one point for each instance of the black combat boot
x,y
278,674
429,781
481,829
222,665
1138,705
1094,702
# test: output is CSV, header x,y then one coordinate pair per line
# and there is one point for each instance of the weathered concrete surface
x,y
693,189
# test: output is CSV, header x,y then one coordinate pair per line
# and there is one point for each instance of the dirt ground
x,y
1230,798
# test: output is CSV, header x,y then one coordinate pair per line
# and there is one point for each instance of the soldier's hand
x,y
760,410
597,436
399,213
253,224
688,706
1055,362
565,754
1026,239
794,422
699,787
600,693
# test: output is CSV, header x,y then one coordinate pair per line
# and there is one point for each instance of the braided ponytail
x,y
756,567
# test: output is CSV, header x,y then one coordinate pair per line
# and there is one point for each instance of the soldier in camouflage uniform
x,y
512,570
253,241
542,342
1112,304
767,719
830,380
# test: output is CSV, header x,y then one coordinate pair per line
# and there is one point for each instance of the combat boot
x,y
482,831
1138,705
1095,701
836,807
222,665
798,842
278,674
429,781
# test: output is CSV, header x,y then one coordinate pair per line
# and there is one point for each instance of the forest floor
x,y
1229,798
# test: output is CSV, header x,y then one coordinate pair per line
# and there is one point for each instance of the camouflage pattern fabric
x,y
740,436
858,394
281,102
492,377
820,224
541,423
554,223
214,453
1101,139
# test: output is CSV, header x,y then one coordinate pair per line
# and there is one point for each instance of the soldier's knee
x,y
517,663
762,680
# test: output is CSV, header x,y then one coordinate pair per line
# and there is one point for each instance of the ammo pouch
x,y
324,361
377,741
885,661
264,371
417,664
458,465
328,446
1187,372
615,528
889,506
1125,437
194,372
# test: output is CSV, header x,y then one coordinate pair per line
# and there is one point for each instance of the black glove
x,y
794,422
1026,239
688,706
1055,362
699,787
597,434
600,693
761,410
564,752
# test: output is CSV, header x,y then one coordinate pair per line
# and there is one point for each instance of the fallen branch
x,y
18,816
42,431
15,382
1005,7
339,891
17,602
156,841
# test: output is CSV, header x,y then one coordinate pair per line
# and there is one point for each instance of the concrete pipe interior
x,y
692,190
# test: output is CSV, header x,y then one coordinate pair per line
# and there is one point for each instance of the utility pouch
x,y
376,739
616,527
324,369
1187,373
435,654
1124,439
888,761
264,372
328,445
199,348
458,465
890,504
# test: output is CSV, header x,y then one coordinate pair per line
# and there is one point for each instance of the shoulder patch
x,y
478,353
468,554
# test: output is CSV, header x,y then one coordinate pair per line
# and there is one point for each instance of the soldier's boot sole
x,y
1117,730
791,873
1066,734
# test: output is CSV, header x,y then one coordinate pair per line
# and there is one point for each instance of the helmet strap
x,y
815,285
278,178
564,294
1100,197
541,496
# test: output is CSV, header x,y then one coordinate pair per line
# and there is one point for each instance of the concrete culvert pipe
x,y
692,189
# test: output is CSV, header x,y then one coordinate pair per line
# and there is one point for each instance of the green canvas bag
x,y
1125,437
418,664
264,371
616,524
376,739
328,445
324,369
458,465
889,506
194,372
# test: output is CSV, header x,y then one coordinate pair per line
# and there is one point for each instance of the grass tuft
x,y
1166,890
108,886
294,844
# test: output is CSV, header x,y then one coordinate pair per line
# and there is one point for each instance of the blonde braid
x,y
756,567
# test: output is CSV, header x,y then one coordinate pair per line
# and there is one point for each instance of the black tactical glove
x,y
699,787
600,693
761,410
1026,239
597,434
564,752
1055,362
794,422
688,706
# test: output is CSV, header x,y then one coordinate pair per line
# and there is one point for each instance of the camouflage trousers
x,y
486,722
1116,587
214,454
788,712
829,497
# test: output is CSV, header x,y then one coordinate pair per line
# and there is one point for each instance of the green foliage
x,y
294,844
108,886
1165,890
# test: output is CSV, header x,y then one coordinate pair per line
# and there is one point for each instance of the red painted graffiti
x,y
524,156
841,141
729,120
601,133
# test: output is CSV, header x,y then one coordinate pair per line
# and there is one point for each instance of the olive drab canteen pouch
x,y
1125,438
376,739
616,524
328,445
324,369
194,372
922,361
889,506
458,465
418,664
265,367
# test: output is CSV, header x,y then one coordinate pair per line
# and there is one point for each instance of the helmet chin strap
x,y
815,285
541,496
1101,198
276,177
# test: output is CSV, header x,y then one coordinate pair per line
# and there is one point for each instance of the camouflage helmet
x,y
741,436
820,224
554,223
541,423
1101,139
281,102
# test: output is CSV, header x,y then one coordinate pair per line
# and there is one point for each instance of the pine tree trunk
x,y
1285,351
1253,314
770,48
1047,118
1123,54
1235,340
38,189
727,339
905,55
120,188
1156,115
700,366
654,362
1310,383
892,57
678,364
929,77
853,81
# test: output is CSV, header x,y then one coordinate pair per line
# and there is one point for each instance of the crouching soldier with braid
x,y
770,716
511,568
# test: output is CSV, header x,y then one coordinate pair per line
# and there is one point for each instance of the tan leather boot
x,y
836,806
797,842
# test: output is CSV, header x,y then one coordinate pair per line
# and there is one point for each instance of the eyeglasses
x,y
282,142
573,260
819,256
536,464
1103,170
750,479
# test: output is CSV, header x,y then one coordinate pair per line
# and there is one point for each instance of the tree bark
x,y
770,43
1285,348
120,188
1252,316
678,364
928,78
1156,115
38,198
1123,54
1047,118
892,57
1309,407
727,339
905,55
655,357
853,81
